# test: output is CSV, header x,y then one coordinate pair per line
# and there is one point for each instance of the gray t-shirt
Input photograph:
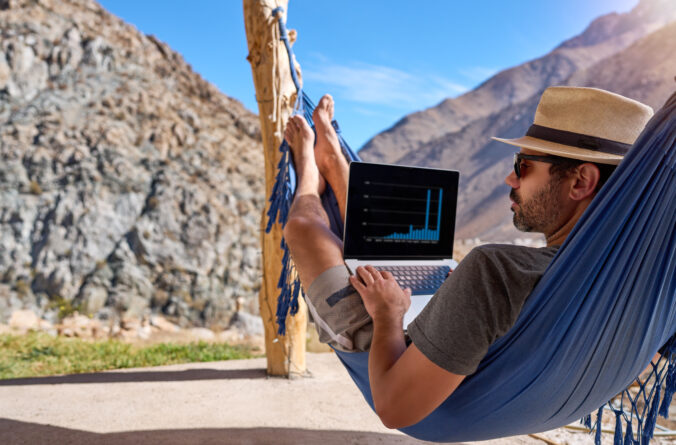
x,y
478,303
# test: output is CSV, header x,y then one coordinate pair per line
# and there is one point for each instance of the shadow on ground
x,y
140,376
13,432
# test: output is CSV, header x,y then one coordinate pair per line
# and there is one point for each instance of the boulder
x,y
163,324
24,320
246,324
201,334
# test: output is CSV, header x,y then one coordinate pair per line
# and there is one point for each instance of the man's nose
x,y
512,181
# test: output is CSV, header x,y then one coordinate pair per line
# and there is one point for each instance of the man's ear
x,y
586,177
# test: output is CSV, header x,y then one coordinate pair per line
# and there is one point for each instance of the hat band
x,y
578,140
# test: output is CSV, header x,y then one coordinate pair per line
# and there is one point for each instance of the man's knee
x,y
297,229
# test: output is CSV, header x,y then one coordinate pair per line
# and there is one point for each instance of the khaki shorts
x,y
338,311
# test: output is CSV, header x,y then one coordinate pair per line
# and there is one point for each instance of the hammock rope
x,y
587,330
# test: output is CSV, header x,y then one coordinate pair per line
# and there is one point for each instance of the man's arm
x,y
405,385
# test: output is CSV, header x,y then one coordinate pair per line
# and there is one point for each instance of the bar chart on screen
x,y
401,213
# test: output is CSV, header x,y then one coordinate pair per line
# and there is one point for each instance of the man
x,y
578,135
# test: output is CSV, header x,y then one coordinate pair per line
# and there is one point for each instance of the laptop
x,y
402,219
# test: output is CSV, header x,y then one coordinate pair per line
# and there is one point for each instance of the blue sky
x,y
379,59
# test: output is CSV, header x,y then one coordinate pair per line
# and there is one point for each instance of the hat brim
x,y
565,151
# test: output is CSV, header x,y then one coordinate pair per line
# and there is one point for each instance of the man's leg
x,y
336,308
314,248
332,164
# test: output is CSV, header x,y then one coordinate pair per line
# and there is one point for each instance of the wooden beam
x,y
275,94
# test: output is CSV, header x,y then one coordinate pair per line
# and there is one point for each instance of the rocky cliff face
x,y
624,53
127,182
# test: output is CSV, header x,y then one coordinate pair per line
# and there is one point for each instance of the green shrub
x,y
64,306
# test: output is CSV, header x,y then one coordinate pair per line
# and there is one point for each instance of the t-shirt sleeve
x,y
467,314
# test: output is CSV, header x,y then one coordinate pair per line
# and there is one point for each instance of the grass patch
x,y
38,354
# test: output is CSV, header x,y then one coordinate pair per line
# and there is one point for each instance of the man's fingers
x,y
374,272
387,275
357,284
365,275
408,291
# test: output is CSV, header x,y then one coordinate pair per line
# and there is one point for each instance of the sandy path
x,y
230,402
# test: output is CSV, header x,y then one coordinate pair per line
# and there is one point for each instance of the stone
x,y
136,307
144,332
247,324
5,72
24,320
93,299
45,325
78,325
130,323
202,334
163,324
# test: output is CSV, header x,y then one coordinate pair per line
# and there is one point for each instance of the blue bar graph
x,y
424,234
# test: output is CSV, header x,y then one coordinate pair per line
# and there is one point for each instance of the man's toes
x,y
290,131
328,102
325,105
302,124
328,105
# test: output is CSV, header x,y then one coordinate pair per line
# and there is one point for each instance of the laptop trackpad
x,y
418,302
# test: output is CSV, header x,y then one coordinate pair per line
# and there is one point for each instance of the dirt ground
x,y
231,402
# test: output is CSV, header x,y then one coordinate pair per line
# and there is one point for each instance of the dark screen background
x,y
384,201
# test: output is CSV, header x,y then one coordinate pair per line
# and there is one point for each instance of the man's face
x,y
538,212
536,196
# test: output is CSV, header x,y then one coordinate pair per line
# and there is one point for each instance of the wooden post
x,y
275,94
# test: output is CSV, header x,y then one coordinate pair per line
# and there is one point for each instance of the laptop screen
x,y
400,212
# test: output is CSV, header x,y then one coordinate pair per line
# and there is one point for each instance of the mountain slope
x,y
642,71
456,133
604,37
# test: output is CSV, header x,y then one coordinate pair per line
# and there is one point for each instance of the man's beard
x,y
540,211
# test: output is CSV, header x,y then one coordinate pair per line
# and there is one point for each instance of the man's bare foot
x,y
330,160
300,137
328,152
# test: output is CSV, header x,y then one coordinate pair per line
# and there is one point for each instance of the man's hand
x,y
406,386
382,296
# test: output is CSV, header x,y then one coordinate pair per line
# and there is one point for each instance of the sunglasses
x,y
518,157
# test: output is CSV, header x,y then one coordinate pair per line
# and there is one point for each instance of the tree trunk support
x,y
276,95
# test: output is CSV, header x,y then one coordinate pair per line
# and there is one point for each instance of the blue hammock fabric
x,y
605,306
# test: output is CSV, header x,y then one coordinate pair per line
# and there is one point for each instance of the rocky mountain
x,y
128,184
626,53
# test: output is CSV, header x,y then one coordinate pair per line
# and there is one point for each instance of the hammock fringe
x,y
629,434
618,428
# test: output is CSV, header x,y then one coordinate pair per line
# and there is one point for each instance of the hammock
x,y
604,307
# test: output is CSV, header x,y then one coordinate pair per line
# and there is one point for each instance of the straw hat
x,y
584,123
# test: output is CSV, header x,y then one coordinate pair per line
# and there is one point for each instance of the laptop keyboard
x,y
423,280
